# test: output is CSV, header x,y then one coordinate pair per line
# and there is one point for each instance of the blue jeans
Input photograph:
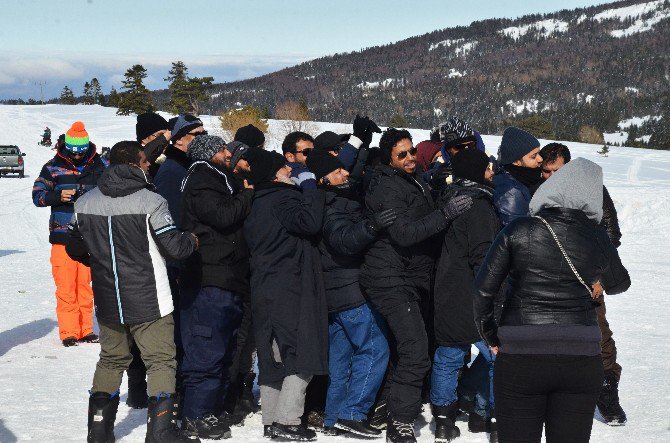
x,y
210,318
358,356
444,381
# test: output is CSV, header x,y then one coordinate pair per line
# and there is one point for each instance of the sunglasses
x,y
305,152
402,154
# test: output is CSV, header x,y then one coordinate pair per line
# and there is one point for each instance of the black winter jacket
x,y
401,260
610,220
214,209
541,288
288,300
169,177
466,242
345,237
123,229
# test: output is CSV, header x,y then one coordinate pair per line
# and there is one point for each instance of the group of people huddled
x,y
363,279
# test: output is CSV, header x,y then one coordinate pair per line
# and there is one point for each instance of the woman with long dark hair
x,y
548,368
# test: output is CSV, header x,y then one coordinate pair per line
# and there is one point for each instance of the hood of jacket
x,y
577,185
122,180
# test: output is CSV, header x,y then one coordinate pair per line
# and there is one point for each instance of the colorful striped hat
x,y
76,138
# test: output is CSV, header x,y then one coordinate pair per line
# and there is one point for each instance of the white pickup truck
x,y
11,160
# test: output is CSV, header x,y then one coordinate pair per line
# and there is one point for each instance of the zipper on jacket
x,y
116,275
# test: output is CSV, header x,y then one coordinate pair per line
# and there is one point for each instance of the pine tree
x,y
398,121
67,96
96,91
186,93
114,98
604,151
136,99
88,97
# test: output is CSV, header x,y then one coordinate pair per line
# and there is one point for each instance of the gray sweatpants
x,y
284,402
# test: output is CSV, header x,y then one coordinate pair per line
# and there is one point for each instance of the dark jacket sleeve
x,y
302,214
482,227
43,190
174,244
510,203
610,219
492,273
347,156
407,231
220,211
345,236
76,247
358,170
615,278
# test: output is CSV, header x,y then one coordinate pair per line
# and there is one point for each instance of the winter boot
x,y
70,341
162,421
477,423
90,338
207,427
246,404
268,431
229,419
293,432
400,432
137,388
358,427
102,408
380,416
445,422
608,402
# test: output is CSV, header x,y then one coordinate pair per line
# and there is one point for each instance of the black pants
x,y
410,361
557,391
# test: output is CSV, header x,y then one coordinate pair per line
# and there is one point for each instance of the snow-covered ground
x,y
44,385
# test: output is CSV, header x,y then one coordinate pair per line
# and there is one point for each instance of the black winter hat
x,y
148,123
237,150
515,144
328,141
322,163
264,165
204,147
250,136
455,132
470,164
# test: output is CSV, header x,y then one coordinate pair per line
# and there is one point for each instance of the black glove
x,y
456,206
363,129
381,220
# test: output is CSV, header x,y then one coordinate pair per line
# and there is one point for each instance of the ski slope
x,y
43,394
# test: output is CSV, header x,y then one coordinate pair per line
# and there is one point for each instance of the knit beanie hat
x,y
250,136
148,123
76,138
455,132
204,147
321,163
184,124
264,165
470,164
515,144
425,151
237,149
327,141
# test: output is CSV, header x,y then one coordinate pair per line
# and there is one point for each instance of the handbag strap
x,y
565,255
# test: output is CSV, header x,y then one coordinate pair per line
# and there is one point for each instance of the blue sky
x,y
67,42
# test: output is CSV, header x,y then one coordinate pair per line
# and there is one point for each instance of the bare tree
x,y
294,116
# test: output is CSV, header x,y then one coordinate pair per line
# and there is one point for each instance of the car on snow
x,y
11,160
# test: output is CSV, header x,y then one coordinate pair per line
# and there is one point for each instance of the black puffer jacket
x,y
403,257
345,237
465,244
610,219
214,209
541,288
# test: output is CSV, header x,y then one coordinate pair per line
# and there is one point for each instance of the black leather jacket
x,y
541,289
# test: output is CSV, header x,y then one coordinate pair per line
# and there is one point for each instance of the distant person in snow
x,y
555,156
46,137
548,370
74,170
121,229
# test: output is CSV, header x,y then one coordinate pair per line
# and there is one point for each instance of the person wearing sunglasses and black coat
x,y
548,366
398,269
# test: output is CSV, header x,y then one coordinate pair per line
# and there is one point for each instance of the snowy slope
x,y
44,386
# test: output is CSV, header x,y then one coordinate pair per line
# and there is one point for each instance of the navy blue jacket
x,y
510,198
168,180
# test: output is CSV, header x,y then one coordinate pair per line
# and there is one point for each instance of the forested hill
x,y
594,66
